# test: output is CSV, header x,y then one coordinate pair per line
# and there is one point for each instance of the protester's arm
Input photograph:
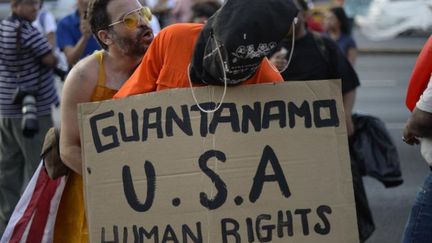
x,y
78,88
51,39
348,102
352,55
49,60
350,82
418,125
40,48
72,49
351,51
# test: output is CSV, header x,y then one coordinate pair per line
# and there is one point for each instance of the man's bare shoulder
x,y
86,70
82,79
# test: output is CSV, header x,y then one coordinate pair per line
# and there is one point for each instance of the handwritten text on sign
x,y
216,175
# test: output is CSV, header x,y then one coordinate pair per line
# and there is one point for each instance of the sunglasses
x,y
132,19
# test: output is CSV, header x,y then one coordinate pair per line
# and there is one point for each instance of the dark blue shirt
x,y
68,34
346,42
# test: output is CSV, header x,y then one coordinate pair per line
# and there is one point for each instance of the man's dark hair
x,y
205,9
97,15
340,14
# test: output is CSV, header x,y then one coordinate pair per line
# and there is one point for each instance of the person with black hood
x,y
313,56
226,50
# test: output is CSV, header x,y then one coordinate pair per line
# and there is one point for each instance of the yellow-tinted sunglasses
x,y
132,19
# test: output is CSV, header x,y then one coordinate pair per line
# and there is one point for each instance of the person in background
x,y
418,130
182,11
162,10
311,23
27,93
317,57
74,36
337,26
354,8
46,24
202,11
313,56
419,126
154,22
122,29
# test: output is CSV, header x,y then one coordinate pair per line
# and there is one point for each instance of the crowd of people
x,y
117,48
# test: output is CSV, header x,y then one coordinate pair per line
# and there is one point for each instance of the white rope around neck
x,y
224,78
292,46
224,72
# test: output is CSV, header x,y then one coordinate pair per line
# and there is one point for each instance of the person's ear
x,y
105,37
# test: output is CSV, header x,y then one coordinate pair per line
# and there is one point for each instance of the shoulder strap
x,y
101,73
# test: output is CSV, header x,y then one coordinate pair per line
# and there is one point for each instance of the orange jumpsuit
x,y
166,61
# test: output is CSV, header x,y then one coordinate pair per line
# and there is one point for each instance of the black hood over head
x,y
238,36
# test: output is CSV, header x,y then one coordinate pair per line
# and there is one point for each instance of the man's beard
x,y
131,46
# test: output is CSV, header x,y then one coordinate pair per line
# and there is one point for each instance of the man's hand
x,y
409,137
85,28
279,59
419,125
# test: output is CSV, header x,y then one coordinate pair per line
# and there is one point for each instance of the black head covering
x,y
245,31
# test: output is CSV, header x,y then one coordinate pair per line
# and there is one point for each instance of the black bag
x,y
365,222
374,150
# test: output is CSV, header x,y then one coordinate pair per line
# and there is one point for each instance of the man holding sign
x,y
164,164
122,29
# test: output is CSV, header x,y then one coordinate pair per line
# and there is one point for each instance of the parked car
x,y
387,19
59,8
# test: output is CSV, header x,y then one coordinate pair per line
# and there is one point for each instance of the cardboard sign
x,y
270,165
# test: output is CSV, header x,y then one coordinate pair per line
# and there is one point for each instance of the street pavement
x,y
384,69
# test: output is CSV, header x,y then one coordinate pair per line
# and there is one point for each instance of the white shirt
x,y
425,101
45,22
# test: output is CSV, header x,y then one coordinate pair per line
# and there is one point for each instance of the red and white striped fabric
x,y
34,216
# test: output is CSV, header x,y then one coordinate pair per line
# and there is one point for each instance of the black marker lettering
x,y
129,189
221,194
261,177
107,131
